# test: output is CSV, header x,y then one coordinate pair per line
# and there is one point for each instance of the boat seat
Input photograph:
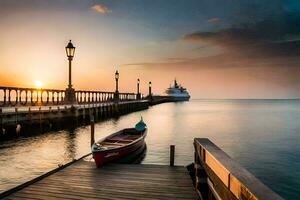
x,y
111,140
117,140
110,143
133,137
124,141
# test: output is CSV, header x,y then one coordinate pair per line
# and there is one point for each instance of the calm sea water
x,y
262,135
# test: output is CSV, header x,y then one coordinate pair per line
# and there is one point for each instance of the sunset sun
x,y
38,84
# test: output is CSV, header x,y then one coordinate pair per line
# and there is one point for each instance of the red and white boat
x,y
120,145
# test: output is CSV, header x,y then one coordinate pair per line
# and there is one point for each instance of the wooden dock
x,y
82,180
216,176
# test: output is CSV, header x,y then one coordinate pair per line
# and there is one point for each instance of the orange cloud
x,y
101,9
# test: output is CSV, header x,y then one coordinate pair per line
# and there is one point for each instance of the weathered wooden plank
x,y
83,180
149,185
112,193
141,188
122,177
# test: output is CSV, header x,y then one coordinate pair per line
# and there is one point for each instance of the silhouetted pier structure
x,y
24,117
24,111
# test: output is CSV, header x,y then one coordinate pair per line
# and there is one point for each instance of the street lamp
x,y
70,92
116,95
138,86
138,95
117,80
70,50
150,89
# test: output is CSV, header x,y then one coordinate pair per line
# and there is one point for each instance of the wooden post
x,y
172,155
16,115
1,122
29,112
92,131
40,117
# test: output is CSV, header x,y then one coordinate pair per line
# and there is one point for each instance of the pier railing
x,y
16,96
220,177
100,96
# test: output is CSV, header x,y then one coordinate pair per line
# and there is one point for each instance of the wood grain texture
x,y
83,180
231,180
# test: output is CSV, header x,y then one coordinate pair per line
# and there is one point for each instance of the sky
x,y
214,48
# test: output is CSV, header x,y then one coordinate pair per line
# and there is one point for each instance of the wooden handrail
x,y
228,179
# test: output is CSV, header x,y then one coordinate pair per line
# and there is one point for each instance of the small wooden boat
x,y
120,144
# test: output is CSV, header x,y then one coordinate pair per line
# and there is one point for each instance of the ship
x,y
177,92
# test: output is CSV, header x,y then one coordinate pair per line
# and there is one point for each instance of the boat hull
x,y
185,98
111,155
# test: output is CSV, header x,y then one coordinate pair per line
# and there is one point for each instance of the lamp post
x,y
70,92
138,95
150,90
116,95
